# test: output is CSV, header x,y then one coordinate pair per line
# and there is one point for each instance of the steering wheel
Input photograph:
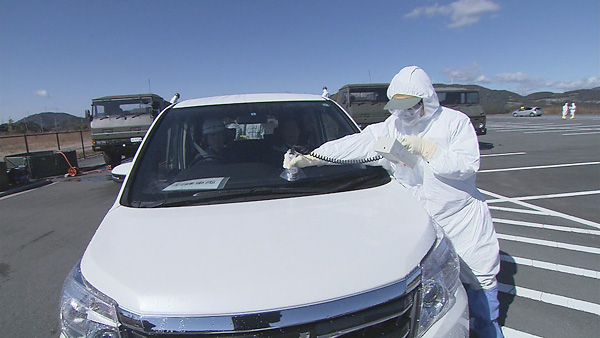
x,y
208,158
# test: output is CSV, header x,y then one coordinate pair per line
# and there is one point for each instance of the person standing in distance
x,y
573,109
565,110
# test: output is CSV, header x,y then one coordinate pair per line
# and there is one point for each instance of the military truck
x,y
466,101
119,123
365,102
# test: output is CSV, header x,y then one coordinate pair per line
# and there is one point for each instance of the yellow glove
x,y
419,146
293,159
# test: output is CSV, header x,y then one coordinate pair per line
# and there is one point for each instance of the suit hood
x,y
414,81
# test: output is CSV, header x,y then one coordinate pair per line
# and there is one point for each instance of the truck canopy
x,y
124,105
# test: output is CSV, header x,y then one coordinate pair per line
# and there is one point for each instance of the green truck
x,y
119,123
365,102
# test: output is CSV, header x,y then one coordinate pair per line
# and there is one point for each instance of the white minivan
x,y
211,237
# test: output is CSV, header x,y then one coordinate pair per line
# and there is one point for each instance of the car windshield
x,y
234,152
454,97
122,108
368,95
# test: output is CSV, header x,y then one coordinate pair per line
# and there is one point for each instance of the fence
x,y
80,141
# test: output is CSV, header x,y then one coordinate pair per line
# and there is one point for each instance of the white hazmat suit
x,y
565,110
573,109
443,180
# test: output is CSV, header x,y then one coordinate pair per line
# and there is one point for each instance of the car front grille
x,y
343,318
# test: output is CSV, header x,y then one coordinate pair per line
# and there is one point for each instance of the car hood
x,y
257,256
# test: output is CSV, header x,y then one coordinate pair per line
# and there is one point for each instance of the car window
x,y
231,153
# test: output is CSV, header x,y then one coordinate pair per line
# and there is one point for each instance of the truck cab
x,y
466,101
364,102
120,122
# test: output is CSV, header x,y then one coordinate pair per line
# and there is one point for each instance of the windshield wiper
x,y
219,196
320,186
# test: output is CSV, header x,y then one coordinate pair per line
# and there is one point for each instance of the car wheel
x,y
532,114
515,115
112,159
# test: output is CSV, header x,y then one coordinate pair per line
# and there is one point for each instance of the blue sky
x,y
58,55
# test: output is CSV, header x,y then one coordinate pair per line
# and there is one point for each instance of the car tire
x,y
112,159
515,115
532,114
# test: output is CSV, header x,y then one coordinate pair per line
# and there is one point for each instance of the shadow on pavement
x,y
485,145
508,269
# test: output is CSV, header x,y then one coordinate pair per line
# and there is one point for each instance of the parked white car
x,y
233,245
528,111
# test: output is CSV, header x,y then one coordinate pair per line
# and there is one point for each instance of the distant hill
x,y
45,122
504,101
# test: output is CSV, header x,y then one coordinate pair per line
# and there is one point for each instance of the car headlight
x,y
84,311
440,279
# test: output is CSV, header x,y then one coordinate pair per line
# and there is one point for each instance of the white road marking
x,y
556,130
547,226
572,134
566,194
539,167
512,333
572,270
515,210
552,244
548,211
505,154
25,191
550,298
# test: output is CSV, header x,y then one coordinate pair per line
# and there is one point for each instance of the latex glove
x,y
294,159
419,146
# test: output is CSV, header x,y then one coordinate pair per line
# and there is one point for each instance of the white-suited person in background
x,y
444,180
573,109
565,110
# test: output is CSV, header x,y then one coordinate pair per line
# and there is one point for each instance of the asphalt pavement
x,y
541,178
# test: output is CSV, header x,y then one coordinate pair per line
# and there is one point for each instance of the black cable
x,y
305,151
339,161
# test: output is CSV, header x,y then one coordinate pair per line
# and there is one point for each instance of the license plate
x,y
136,139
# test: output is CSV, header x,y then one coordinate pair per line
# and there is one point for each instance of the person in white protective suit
x,y
572,109
443,180
565,110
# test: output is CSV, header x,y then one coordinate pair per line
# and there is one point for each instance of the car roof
x,y
248,98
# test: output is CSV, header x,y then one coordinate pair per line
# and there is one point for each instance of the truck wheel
x,y
112,159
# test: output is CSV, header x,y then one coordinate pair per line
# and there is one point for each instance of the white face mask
x,y
410,116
